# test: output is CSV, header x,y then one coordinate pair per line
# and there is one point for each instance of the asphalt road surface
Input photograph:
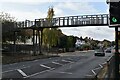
x,y
77,64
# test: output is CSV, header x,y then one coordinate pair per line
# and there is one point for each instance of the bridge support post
x,y
14,51
41,39
33,42
36,45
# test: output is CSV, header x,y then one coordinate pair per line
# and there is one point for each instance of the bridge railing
x,y
70,21
24,24
73,21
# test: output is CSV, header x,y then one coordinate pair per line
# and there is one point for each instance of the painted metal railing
x,y
70,21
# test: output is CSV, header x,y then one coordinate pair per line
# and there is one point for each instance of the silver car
x,y
99,52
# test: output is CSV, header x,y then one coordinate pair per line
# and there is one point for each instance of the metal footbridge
x,y
69,21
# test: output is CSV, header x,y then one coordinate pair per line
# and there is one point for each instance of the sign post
x,y
116,55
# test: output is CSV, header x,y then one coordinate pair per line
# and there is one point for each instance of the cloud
x,y
32,2
21,16
22,1
77,7
58,12
98,33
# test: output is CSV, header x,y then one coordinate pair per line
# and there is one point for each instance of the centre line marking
x,y
57,63
21,72
45,66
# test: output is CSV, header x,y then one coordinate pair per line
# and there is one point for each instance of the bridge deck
x,y
70,21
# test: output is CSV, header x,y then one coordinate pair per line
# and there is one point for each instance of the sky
x,y
35,9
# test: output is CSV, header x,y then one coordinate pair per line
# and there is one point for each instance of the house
x,y
79,43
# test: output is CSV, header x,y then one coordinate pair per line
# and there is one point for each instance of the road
x,y
79,64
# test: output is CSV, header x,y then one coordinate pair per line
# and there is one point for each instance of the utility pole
x,y
114,21
116,55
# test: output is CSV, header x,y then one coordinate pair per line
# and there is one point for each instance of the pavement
x,y
79,64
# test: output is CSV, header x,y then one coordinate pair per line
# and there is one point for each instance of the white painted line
x,y
93,72
35,60
100,65
14,69
39,73
8,71
104,63
65,72
21,72
57,63
45,66
67,61
89,75
97,68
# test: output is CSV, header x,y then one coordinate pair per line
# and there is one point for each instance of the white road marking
x,y
104,63
35,60
93,72
97,68
100,65
21,72
45,66
8,71
14,69
39,73
57,63
25,67
67,61
89,75
65,72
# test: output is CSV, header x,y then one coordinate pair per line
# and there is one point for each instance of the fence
x,y
105,71
29,49
111,67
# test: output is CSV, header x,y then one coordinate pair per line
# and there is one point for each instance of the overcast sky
x,y
34,9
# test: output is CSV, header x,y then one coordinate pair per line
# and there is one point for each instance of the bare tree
x,y
6,17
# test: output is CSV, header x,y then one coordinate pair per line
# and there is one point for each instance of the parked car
x,y
99,52
5,49
108,50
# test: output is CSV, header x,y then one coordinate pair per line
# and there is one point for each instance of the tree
x,y
50,35
6,17
24,35
70,41
81,38
63,41
8,29
7,26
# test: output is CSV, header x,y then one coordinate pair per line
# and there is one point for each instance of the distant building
x,y
79,43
